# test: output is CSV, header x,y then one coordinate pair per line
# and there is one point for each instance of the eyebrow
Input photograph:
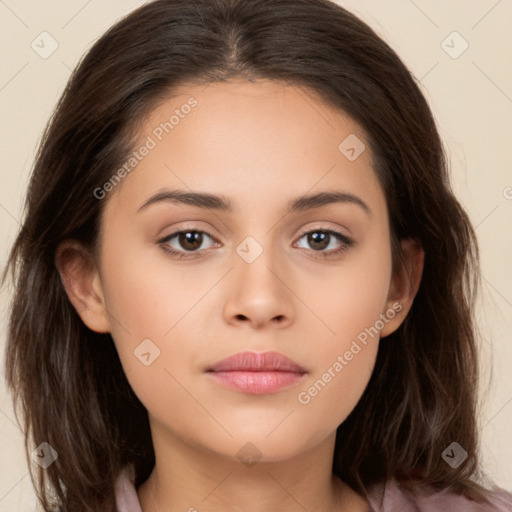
x,y
222,203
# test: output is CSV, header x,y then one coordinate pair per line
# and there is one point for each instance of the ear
x,y
81,280
405,283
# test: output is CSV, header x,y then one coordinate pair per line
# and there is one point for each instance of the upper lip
x,y
257,362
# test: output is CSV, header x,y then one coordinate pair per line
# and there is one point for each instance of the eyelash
x,y
346,243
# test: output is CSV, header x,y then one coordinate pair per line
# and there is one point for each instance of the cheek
x,y
334,392
350,296
149,295
345,364
151,305
350,302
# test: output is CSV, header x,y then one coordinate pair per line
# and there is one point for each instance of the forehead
x,y
255,142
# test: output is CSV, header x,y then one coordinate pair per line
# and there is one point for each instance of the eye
x,y
321,239
187,240
188,243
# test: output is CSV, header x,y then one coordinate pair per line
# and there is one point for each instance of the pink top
x,y
388,498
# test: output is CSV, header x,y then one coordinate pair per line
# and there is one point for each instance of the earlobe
x,y
404,285
82,283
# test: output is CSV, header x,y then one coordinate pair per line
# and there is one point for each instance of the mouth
x,y
257,373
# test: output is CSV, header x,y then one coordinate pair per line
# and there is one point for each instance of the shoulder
x,y
392,496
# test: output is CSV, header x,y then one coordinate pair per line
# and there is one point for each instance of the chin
x,y
252,445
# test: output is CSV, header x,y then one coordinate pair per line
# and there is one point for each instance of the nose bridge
x,y
258,259
258,293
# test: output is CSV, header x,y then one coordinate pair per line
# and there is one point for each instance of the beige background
x,y
471,97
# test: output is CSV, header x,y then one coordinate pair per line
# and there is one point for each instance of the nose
x,y
259,294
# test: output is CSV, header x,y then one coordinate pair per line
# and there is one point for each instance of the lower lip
x,y
257,383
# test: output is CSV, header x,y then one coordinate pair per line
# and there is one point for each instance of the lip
x,y
257,373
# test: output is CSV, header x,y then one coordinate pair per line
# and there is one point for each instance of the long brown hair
x,y
68,379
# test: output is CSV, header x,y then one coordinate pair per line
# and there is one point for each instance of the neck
x,y
188,478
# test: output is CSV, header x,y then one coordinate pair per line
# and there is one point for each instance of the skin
x,y
260,144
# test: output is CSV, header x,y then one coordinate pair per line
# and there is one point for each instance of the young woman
x,y
243,281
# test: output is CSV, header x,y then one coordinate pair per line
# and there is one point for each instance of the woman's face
x,y
267,273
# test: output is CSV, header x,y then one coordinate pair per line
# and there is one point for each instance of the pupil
x,y
190,240
319,239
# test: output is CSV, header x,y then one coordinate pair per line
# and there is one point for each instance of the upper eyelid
x,y
326,227
184,230
320,225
